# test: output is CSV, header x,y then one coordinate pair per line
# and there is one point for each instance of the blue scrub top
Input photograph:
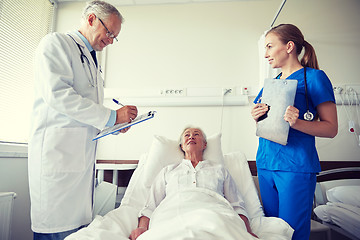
x,y
300,154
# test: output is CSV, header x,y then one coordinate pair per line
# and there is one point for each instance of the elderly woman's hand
x,y
143,226
137,232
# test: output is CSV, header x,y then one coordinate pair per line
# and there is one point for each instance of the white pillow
x,y
321,212
345,194
164,151
238,167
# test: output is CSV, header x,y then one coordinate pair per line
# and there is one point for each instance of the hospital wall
x,y
215,45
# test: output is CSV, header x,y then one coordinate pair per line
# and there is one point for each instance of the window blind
x,y
22,25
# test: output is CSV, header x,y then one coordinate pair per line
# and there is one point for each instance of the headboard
x,y
323,185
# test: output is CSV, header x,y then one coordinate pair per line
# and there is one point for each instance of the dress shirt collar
x,y
89,47
188,163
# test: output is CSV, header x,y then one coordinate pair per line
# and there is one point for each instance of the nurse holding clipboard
x,y
287,173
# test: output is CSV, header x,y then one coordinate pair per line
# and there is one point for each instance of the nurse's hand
x,y
126,114
259,110
291,115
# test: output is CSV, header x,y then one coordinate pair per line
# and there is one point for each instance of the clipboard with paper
x,y
120,126
278,94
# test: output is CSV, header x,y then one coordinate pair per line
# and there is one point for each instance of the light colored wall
x,y
216,45
14,178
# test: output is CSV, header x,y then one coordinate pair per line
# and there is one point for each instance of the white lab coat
x,y
67,113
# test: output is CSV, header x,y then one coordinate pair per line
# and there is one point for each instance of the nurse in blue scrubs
x,y
287,174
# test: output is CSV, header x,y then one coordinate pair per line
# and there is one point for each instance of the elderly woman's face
x,y
193,140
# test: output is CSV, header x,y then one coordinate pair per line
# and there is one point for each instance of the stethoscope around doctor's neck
x,y
92,80
308,116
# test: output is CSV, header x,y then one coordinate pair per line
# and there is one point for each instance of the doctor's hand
x,y
291,115
126,114
259,110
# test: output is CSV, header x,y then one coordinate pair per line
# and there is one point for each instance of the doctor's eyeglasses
x,y
108,33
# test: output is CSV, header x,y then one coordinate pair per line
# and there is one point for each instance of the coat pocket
x,y
64,150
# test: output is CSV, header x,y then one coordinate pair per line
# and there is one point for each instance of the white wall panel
x,y
216,45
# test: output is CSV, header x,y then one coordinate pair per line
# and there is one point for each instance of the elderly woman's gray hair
x,y
101,9
188,127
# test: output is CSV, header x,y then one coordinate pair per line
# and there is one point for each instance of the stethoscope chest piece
x,y
308,116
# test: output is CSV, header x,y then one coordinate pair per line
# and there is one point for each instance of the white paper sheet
x,y
120,126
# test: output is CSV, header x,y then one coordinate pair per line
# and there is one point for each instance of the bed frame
x,y
339,177
124,177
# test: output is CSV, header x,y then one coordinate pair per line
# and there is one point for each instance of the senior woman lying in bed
x,y
192,172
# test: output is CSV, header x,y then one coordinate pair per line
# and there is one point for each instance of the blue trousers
x,y
54,236
289,196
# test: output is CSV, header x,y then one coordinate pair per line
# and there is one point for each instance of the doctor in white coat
x,y
68,113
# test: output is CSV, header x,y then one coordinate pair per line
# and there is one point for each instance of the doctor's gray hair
x,y
101,9
186,128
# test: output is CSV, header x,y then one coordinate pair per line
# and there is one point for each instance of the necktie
x,y
93,54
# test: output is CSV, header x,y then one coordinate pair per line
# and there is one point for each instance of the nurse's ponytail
x,y
289,32
309,59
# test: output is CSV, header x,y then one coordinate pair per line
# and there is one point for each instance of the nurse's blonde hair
x,y
289,32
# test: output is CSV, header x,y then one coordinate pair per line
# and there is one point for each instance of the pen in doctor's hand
x,y
117,102
125,113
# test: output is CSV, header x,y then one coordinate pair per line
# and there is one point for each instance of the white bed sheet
x,y
203,214
343,215
118,224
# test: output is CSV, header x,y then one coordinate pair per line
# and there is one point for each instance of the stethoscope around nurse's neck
x,y
308,116
92,80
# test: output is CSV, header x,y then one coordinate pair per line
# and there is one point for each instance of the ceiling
x,y
152,2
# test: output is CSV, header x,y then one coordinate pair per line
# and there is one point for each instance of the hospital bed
x,y
337,203
209,216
